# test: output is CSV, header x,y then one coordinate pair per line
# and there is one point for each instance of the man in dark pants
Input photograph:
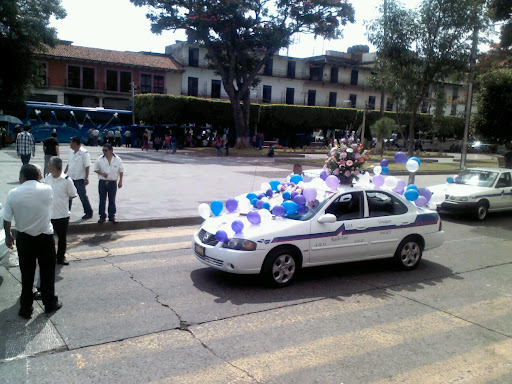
x,y
25,145
29,205
78,169
109,168
63,191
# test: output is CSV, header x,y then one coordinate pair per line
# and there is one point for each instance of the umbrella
x,y
11,119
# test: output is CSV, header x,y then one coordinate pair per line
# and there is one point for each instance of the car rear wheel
x,y
279,267
408,253
481,211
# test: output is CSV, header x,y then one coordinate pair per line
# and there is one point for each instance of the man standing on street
x,y
78,169
50,148
29,205
109,168
63,191
25,145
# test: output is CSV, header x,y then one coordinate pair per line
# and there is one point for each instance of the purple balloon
x,y
259,204
425,192
294,193
221,236
254,217
309,194
231,205
300,200
261,196
332,182
400,186
323,175
400,158
302,210
384,163
421,201
269,193
279,211
378,180
237,226
313,204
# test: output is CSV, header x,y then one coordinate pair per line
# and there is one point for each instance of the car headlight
x,y
240,244
459,198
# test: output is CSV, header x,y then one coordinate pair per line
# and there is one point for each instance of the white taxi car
x,y
350,224
477,191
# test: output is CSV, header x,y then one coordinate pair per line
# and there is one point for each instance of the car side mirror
x,y
328,218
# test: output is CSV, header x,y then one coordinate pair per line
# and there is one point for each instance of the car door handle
x,y
361,227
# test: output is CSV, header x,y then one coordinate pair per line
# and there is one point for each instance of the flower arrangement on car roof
x,y
346,158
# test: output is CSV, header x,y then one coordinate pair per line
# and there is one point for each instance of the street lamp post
x,y
133,87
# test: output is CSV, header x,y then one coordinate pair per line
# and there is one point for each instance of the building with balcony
x,y
92,77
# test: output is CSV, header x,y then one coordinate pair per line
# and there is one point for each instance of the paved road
x,y
138,307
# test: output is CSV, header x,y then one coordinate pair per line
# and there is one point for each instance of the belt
x,y
108,181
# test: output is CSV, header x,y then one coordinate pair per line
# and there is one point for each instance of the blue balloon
x,y
296,179
266,205
254,201
385,170
237,226
287,195
221,236
290,207
251,196
274,184
411,186
416,160
216,207
411,194
279,211
450,180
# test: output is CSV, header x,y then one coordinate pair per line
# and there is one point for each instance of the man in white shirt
x,y
78,169
29,205
109,168
63,191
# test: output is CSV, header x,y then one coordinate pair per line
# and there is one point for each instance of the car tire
x,y
481,211
279,268
408,254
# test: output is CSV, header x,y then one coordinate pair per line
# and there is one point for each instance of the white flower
x,y
349,150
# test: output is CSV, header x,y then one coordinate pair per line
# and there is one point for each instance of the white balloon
x,y
437,198
279,187
317,183
412,165
265,215
364,179
204,210
301,185
264,199
377,170
244,204
265,187
390,182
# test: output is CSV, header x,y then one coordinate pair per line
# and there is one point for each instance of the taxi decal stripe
x,y
421,220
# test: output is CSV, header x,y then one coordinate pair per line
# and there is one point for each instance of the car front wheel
x,y
481,211
408,254
279,268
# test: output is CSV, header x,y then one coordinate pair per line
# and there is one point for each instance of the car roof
x,y
487,169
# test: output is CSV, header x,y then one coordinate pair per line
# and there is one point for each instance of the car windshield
x,y
477,178
322,197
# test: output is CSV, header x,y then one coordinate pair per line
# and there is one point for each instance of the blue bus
x,y
69,121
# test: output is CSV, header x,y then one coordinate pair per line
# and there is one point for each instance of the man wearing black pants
x,y
63,191
110,170
29,205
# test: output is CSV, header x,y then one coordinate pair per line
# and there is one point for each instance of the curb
x,y
82,228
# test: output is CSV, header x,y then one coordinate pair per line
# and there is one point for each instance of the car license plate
x,y
199,250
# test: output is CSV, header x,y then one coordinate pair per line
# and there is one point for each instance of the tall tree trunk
x,y
241,128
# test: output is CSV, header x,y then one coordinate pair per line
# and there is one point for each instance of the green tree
x,y
501,10
24,28
241,36
494,101
419,48
381,130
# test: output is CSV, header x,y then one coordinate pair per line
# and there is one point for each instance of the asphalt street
x,y
139,308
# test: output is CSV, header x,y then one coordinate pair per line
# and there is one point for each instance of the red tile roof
x,y
137,59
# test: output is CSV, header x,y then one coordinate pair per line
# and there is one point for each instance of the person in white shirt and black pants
x,y
109,168
78,169
63,191
29,205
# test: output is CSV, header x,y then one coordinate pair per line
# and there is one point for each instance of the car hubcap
x,y
481,212
283,268
410,254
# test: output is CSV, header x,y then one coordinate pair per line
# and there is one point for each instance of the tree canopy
x,y
501,10
24,28
241,36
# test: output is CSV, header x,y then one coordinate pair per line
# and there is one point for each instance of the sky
x,y
119,25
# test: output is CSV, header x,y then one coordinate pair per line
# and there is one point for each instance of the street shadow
x,y
100,238
376,278
493,225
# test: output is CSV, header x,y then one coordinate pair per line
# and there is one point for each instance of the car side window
x,y
504,180
347,207
384,204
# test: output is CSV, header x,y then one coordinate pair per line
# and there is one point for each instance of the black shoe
x,y
87,216
26,313
113,220
101,220
53,307
63,262
36,295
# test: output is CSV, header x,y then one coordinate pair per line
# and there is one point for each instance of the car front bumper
x,y
459,206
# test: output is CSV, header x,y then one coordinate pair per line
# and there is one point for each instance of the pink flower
x,y
357,156
342,163
343,155
350,163
337,171
347,173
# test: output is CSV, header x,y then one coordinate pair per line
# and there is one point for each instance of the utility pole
x,y
133,87
382,93
469,100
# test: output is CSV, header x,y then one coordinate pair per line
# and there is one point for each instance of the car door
x,y
504,186
388,221
344,239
